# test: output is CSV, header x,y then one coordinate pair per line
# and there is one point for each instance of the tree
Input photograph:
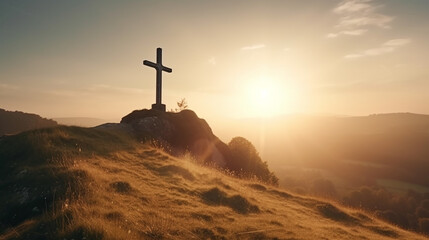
x,y
424,225
182,105
247,163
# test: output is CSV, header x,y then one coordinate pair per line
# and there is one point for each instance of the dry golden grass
x,y
148,194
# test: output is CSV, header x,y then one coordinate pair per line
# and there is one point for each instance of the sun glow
x,y
269,95
261,99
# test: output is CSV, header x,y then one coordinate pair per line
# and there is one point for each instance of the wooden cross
x,y
159,68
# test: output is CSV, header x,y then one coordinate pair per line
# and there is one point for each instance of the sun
x,y
264,95
268,95
261,99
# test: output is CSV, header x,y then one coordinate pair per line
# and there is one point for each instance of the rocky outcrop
x,y
182,131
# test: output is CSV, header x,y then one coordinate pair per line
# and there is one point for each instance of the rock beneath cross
x,y
159,68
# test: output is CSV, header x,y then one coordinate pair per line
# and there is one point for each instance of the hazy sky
x,y
229,58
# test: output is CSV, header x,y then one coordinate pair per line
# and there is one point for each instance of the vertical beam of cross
x,y
159,68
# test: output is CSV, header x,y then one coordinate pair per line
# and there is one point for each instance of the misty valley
x,y
378,163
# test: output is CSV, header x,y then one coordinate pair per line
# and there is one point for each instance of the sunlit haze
x,y
230,59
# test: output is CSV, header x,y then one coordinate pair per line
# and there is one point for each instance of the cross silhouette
x,y
159,68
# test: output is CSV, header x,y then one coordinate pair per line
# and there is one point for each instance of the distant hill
x,y
359,150
15,122
379,162
81,183
80,121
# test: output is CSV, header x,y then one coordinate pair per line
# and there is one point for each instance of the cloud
x,y
371,52
212,61
113,89
358,15
351,6
397,42
95,89
356,32
386,47
351,56
378,20
66,93
253,47
8,87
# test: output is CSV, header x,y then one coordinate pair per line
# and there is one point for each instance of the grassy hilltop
x,y
79,183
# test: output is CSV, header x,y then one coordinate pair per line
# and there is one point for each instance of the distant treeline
x,y
335,157
410,211
15,122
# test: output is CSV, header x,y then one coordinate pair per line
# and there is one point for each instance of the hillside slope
x,y
77,183
80,121
15,122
